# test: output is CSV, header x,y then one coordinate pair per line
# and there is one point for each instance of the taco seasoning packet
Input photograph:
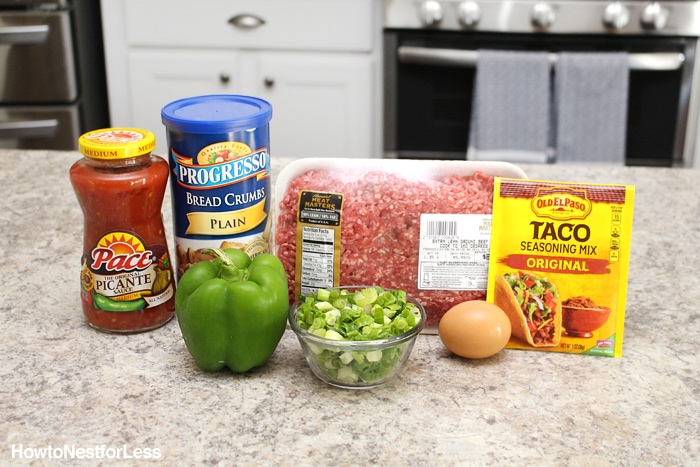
x,y
558,264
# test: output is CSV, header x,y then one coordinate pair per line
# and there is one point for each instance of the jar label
x,y
121,273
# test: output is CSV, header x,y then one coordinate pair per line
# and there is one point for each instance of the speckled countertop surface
x,y
66,386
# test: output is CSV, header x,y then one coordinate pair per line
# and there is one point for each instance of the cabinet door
x,y
321,25
158,77
321,103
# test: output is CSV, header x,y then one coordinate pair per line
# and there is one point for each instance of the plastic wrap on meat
x,y
380,233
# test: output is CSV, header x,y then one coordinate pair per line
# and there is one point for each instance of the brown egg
x,y
474,329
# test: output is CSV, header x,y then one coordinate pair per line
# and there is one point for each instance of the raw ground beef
x,y
380,233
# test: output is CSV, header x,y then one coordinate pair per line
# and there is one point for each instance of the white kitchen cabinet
x,y
157,77
318,62
321,103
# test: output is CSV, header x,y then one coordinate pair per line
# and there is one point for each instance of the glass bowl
x,y
357,364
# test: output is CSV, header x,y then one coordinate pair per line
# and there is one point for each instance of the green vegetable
x,y
533,293
103,303
232,311
362,315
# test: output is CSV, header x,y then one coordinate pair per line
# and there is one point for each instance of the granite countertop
x,y
66,386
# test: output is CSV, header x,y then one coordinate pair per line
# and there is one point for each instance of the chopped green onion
x,y
367,314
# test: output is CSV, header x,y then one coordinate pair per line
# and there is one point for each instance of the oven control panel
x,y
669,18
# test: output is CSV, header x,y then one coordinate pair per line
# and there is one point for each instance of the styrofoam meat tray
x,y
413,169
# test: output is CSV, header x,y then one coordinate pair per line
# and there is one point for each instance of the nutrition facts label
x,y
317,258
454,251
318,235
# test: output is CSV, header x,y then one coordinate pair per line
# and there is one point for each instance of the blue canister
x,y
219,153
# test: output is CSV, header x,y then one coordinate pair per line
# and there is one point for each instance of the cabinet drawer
x,y
341,25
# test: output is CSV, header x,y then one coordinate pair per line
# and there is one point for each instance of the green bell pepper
x,y
232,311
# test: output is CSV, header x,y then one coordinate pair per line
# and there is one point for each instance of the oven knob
x,y
542,15
430,12
616,16
469,13
654,16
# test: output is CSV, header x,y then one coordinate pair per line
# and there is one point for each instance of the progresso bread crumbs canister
x,y
219,151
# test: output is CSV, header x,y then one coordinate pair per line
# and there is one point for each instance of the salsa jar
x,y
126,276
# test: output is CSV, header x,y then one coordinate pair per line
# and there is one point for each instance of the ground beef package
x,y
419,226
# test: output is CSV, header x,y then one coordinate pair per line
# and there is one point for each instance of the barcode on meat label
x,y
454,251
444,228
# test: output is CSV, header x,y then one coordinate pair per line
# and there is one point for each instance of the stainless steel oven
x,y
432,47
52,79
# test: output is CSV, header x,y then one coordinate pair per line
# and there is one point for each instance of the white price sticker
x,y
454,251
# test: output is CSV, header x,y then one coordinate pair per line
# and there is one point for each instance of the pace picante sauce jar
x,y
126,277
220,175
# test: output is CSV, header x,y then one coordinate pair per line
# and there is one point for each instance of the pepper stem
x,y
229,271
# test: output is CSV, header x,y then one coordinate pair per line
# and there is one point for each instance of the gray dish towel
x,y
590,107
511,107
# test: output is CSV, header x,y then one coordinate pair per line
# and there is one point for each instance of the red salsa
x,y
126,278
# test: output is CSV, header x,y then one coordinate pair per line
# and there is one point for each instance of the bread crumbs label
x,y
558,264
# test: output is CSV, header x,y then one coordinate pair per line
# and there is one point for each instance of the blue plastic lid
x,y
216,114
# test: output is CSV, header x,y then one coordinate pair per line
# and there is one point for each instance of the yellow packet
x,y
558,264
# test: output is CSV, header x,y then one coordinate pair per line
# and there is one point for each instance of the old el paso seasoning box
x,y
219,149
558,263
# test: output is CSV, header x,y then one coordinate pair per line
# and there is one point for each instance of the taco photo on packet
x,y
533,306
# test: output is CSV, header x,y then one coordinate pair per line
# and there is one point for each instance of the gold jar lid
x,y
117,143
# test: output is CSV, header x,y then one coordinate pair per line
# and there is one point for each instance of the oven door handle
x,y
28,129
24,34
652,61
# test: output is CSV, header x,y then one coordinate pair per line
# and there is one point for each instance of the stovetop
x,y
664,17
